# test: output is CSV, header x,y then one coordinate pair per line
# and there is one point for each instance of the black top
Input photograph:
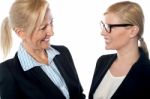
x,y
136,84
34,83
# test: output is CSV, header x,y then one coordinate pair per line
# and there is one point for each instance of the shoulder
x,y
8,83
145,67
142,71
105,60
5,64
106,57
8,65
143,64
59,47
10,61
5,70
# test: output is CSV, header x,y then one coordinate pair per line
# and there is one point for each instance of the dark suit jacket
x,y
136,84
34,83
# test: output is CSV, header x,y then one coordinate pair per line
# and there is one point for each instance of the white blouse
x,y
108,86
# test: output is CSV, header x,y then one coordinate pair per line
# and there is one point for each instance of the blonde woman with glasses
x,y
125,74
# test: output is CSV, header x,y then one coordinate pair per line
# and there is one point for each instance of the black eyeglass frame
x,y
108,27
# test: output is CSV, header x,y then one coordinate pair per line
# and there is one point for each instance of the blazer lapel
x,y
35,79
101,69
42,80
60,63
128,81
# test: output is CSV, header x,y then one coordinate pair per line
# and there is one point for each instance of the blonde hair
x,y
23,14
131,13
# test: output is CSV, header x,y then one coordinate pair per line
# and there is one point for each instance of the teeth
x,y
46,40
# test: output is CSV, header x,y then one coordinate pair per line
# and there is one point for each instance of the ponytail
x,y
6,39
144,47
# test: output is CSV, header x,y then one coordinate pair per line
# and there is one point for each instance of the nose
x,y
50,31
103,33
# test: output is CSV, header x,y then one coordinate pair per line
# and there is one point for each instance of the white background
x,y
76,25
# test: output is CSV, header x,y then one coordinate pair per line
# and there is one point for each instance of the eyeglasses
x,y
108,27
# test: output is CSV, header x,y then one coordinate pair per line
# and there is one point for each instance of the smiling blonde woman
x,y
39,70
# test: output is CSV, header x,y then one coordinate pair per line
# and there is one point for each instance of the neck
x,y
39,55
125,60
129,55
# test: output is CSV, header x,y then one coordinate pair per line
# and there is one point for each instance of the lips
x,y
46,39
107,40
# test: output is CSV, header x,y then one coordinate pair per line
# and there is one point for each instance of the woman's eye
x,y
51,23
43,28
48,24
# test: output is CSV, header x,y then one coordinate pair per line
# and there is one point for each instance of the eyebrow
x,y
50,20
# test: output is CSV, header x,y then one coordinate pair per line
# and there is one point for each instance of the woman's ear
x,y
134,31
19,32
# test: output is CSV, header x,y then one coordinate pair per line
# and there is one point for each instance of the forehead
x,y
111,18
47,17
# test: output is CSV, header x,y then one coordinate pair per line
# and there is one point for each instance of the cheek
x,y
121,39
120,35
38,37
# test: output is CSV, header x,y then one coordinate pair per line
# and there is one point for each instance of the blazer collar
x,y
101,70
28,62
37,74
133,72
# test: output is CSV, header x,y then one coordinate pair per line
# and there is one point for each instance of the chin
x,y
45,46
109,48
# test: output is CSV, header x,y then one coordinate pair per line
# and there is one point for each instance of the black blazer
x,y
136,84
34,83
